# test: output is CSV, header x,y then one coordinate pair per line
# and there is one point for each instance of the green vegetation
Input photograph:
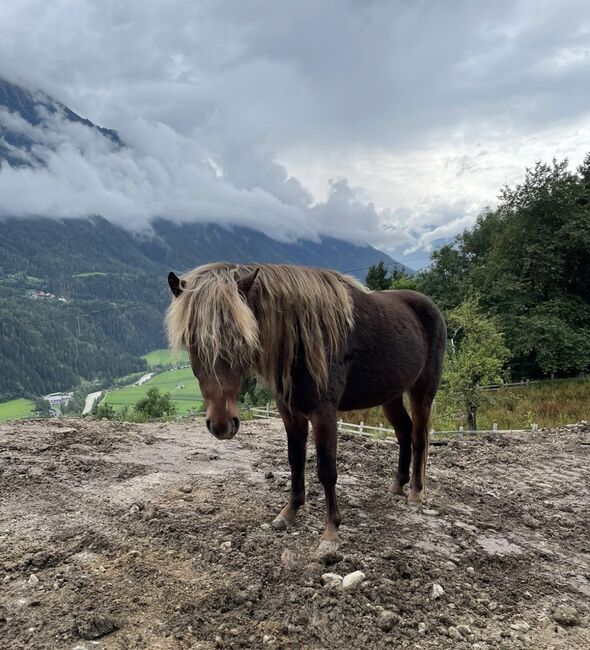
x,y
529,262
547,403
475,358
379,278
155,405
165,357
17,409
181,384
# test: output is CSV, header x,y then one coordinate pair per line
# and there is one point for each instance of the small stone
x,y
422,628
265,526
33,581
288,559
387,620
267,639
453,632
464,630
225,546
353,580
95,626
437,591
520,626
187,489
268,475
133,510
492,605
429,513
470,570
331,579
566,615
531,522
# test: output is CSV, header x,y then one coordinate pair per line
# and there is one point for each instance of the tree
x,y
155,405
377,278
475,358
528,260
399,279
103,410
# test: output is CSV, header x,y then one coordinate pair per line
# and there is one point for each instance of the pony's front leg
x,y
297,430
325,429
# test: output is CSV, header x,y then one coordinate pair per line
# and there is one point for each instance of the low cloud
x,y
75,171
388,122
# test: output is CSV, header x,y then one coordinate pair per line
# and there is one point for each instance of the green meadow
x,y
16,409
165,357
181,384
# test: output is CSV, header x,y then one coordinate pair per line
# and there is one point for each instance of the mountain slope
x,y
83,297
34,109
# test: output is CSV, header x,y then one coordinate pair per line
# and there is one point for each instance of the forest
x,y
514,290
526,266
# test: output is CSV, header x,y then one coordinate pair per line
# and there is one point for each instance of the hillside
x,y
107,284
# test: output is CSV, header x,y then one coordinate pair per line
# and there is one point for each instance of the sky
x,y
393,123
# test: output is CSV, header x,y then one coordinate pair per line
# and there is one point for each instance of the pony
x,y
323,343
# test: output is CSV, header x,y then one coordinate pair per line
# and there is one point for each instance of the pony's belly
x,y
353,402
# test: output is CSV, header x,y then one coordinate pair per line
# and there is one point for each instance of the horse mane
x,y
286,307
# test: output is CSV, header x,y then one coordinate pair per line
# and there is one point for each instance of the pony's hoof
x,y
396,489
416,498
328,553
279,523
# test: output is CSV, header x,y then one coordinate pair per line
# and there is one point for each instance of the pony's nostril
x,y
208,423
236,423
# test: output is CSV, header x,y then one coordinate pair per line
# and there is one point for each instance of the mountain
x,y
34,109
83,297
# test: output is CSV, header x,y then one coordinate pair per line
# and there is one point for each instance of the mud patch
x,y
156,536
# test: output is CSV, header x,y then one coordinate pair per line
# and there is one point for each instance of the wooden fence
x,y
269,411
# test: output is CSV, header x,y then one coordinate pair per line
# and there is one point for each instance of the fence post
x,y
340,424
361,427
495,426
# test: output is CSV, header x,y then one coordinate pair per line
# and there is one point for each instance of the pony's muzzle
x,y
223,430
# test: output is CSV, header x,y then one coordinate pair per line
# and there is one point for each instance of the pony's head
x,y
210,317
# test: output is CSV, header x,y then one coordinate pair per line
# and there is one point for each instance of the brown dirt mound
x,y
156,536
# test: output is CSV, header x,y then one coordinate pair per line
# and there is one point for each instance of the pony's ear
x,y
245,284
175,284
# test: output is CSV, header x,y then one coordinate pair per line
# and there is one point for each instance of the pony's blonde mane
x,y
287,305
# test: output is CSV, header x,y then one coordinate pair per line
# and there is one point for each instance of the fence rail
x,y
270,412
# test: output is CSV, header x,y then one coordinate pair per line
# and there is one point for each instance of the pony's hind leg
x,y
396,413
421,398
297,427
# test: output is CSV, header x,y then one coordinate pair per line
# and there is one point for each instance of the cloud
x,y
246,112
77,172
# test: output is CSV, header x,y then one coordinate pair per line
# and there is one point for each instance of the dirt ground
x,y
124,536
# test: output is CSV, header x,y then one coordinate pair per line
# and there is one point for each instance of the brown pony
x,y
324,344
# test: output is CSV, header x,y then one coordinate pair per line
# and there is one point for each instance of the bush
x,y
155,405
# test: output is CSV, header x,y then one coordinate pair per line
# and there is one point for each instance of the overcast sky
x,y
380,121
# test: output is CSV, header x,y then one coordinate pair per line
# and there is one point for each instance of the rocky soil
x,y
156,536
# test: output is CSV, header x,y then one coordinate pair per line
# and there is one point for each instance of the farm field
x,y
16,409
181,384
165,357
118,535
